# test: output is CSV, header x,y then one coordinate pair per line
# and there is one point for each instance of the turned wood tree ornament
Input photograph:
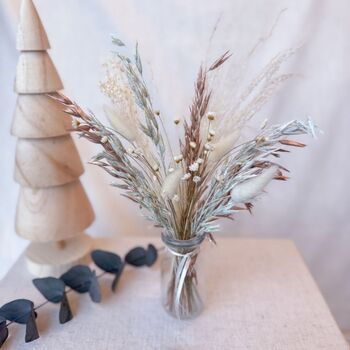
x,y
53,210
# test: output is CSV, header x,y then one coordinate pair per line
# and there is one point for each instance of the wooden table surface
x,y
259,295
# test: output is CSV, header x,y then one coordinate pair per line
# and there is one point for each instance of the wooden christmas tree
x,y
53,210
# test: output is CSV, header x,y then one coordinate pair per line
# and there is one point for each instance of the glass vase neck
x,y
179,244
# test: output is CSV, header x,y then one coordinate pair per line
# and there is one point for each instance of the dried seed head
x,y
104,139
178,158
75,123
208,147
171,170
211,115
193,145
157,112
211,132
200,161
177,121
261,139
196,179
155,167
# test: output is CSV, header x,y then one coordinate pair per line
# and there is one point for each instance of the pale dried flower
x,y
186,176
193,144
194,167
104,139
75,122
196,179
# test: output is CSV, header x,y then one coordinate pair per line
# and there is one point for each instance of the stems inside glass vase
x,y
181,294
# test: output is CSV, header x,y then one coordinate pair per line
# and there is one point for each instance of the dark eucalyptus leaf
x,y
4,332
95,291
136,257
106,261
65,313
53,289
31,329
78,278
19,311
116,278
151,255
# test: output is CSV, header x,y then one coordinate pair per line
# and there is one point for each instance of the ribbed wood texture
x,y
31,35
53,213
39,116
52,205
47,162
36,74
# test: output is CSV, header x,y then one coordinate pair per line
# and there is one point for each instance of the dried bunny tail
x,y
121,123
129,129
246,191
171,183
223,146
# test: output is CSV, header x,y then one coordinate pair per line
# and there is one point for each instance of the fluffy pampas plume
x,y
171,183
248,190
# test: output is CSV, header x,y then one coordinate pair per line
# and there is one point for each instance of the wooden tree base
x,y
55,258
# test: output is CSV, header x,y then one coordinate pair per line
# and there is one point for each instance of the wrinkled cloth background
x,y
312,208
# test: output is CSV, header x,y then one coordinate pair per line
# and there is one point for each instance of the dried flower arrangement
x,y
186,191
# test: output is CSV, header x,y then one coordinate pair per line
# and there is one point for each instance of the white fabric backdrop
x,y
312,208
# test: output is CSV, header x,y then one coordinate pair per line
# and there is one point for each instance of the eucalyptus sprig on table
x,y
79,278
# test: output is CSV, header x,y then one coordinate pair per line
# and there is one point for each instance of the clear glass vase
x,y
181,275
